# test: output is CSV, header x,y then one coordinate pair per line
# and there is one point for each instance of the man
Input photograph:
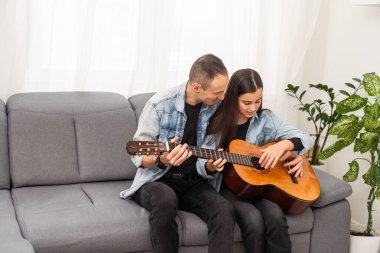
x,y
171,181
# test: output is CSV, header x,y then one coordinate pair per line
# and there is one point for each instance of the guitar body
x,y
274,184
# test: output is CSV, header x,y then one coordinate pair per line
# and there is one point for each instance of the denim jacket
x,y
264,129
162,119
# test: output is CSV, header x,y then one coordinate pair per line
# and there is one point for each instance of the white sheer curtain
x,y
134,46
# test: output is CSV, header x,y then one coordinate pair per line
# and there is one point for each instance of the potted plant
x,y
321,113
362,129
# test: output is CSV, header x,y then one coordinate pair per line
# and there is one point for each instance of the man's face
x,y
214,91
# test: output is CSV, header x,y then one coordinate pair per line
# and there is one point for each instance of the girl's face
x,y
249,103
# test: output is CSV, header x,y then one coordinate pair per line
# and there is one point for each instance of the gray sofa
x,y
11,239
63,164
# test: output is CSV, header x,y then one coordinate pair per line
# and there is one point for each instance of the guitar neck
x,y
155,148
230,157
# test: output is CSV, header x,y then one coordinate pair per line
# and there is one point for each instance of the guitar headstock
x,y
147,147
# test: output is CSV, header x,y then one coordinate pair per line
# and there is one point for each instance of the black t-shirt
x,y
190,137
242,130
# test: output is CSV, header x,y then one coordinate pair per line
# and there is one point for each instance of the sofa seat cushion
x,y
11,240
14,244
195,230
9,225
300,223
88,217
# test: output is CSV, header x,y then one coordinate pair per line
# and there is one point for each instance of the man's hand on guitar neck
x,y
175,157
295,161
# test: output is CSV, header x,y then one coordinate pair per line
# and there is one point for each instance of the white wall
x,y
346,44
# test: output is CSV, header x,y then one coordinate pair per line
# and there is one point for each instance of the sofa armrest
x,y
332,189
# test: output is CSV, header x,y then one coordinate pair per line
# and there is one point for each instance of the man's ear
x,y
196,87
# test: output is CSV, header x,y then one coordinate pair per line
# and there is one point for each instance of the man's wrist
x,y
160,164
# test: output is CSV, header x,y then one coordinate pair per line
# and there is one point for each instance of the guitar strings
x,y
241,159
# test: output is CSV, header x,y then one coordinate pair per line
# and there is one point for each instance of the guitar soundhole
x,y
256,164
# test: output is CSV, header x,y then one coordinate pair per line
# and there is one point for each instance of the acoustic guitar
x,y
246,178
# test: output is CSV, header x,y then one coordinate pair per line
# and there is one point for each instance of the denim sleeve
x,y
148,129
285,131
209,143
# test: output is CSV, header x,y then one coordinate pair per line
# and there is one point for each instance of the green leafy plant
x,y
362,129
321,113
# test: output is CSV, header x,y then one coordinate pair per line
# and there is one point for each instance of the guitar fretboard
x,y
244,160
154,148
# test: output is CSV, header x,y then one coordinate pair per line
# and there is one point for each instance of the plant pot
x,y
367,244
322,167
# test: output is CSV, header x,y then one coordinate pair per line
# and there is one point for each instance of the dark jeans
x,y
262,223
164,197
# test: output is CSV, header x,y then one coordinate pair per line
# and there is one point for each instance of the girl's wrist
x,y
289,146
208,171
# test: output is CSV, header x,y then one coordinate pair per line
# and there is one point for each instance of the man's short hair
x,y
205,68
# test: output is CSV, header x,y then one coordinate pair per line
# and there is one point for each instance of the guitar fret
x,y
229,157
241,160
238,159
247,160
203,153
244,160
234,158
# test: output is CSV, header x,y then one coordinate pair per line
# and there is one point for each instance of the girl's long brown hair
x,y
224,120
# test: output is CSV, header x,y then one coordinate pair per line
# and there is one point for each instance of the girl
x,y
261,221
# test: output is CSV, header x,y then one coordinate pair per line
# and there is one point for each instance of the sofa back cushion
x,y
4,160
138,102
69,137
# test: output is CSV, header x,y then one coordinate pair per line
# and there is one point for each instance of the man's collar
x,y
180,101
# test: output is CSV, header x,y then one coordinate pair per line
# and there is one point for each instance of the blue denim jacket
x,y
263,129
163,118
